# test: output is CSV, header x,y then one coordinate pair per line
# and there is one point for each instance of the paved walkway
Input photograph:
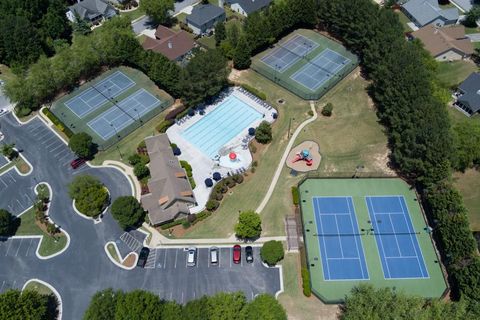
x,y
284,158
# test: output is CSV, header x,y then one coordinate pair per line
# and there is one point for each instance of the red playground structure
x,y
304,155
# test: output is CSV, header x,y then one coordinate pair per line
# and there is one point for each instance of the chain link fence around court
x,y
284,78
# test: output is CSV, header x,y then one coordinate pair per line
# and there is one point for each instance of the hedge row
x,y
295,196
57,122
307,290
190,220
254,91
164,125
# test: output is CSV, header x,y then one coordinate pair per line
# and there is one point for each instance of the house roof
x,y
170,191
204,13
471,91
440,40
250,6
169,43
91,9
427,11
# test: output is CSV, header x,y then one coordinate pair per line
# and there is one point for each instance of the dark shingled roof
x,y
203,13
471,92
250,6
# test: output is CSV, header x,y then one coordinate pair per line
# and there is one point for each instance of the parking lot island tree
x,y
82,145
8,223
90,195
128,212
272,251
249,225
103,305
29,304
264,306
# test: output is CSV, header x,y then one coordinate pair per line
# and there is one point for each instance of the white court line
x,y
327,267
352,216
378,239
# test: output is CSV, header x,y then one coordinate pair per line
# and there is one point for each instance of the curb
x,y
52,288
119,255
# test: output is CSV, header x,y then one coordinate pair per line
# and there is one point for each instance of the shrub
x,y
230,183
134,159
212,205
22,111
253,148
252,169
141,170
164,125
218,196
272,252
307,290
254,91
182,114
172,224
310,113
142,145
255,163
263,134
327,110
188,168
191,217
186,224
295,196
202,216
57,122
249,225
238,178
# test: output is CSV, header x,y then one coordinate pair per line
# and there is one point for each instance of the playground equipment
x,y
303,155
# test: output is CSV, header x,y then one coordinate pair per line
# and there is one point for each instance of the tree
x,y
103,305
82,145
472,17
141,170
8,223
138,304
241,54
90,195
467,142
233,34
327,110
52,229
127,211
249,225
263,134
272,252
158,9
220,32
225,306
29,304
264,307
8,150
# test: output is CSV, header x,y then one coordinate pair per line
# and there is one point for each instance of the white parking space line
x,y
230,258
33,128
171,295
176,254
19,204
10,175
6,185
43,136
28,249
61,152
10,207
182,297
165,259
3,284
13,284
47,142
51,144
8,249
18,249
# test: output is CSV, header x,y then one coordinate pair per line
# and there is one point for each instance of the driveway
x,y
142,24
84,268
179,6
474,37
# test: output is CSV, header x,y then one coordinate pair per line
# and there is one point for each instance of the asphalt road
x,y
84,268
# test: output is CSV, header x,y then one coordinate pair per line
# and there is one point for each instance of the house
x,y
173,45
246,7
204,17
93,11
463,5
424,12
171,195
445,44
468,95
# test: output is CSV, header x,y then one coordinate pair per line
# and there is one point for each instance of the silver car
x,y
192,257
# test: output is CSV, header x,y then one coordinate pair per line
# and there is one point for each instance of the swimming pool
x,y
218,127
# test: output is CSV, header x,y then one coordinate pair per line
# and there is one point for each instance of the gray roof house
x,y
464,5
423,12
171,195
204,17
93,11
246,7
468,95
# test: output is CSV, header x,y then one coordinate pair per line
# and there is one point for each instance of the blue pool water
x,y
221,125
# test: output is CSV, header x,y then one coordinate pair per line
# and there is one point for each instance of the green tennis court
x,y
306,63
112,105
367,231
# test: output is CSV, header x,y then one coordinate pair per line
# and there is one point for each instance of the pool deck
x,y
203,166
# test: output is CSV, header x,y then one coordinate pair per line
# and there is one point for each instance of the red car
x,y
237,253
77,163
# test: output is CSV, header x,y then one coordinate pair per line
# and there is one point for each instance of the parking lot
x,y
24,247
182,283
16,192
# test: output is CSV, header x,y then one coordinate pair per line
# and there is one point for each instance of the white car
x,y
192,257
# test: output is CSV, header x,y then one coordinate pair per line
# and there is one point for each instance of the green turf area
x,y
134,14
207,42
404,20
468,183
49,244
38,287
113,252
283,78
77,124
451,74
335,291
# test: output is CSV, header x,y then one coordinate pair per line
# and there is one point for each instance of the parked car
x,y
249,254
142,257
192,257
77,163
214,255
3,111
237,253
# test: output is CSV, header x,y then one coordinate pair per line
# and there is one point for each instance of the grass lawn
x,y
453,73
113,252
298,306
471,30
135,14
404,20
182,17
38,287
49,245
208,42
18,162
468,183
141,38
476,45
6,167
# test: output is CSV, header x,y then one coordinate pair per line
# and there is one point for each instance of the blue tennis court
x,y
99,94
125,113
320,69
396,239
339,239
282,57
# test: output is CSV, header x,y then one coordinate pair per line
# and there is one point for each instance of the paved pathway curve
x,y
284,158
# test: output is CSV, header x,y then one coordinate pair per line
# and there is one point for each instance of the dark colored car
x,y
142,257
77,163
249,254
237,253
